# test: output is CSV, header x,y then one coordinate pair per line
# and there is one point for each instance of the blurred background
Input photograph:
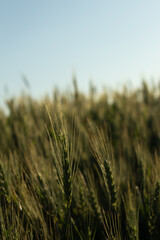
x,y
43,44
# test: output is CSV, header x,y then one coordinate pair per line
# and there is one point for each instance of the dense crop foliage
x,y
77,167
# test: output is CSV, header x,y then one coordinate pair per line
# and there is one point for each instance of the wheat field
x,y
81,167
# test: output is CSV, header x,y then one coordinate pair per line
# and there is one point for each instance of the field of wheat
x,y
81,167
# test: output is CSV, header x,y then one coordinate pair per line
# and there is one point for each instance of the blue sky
x,y
107,42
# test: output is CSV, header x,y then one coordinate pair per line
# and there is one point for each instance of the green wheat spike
x,y
111,184
67,180
4,193
154,209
